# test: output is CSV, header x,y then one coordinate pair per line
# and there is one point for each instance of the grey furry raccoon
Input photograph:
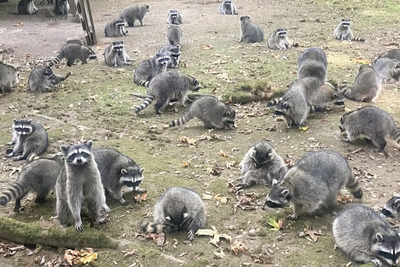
x,y
115,55
27,7
61,8
313,184
174,17
149,68
167,86
388,69
8,77
261,165
372,123
174,52
178,209
78,181
392,54
279,40
118,170
250,32
132,13
227,7
174,34
366,237
42,79
115,28
212,112
392,207
343,32
72,52
30,139
313,63
38,176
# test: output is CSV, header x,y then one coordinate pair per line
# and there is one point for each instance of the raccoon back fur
x,y
174,34
132,13
392,54
313,63
388,69
149,68
115,28
250,32
72,52
42,79
8,77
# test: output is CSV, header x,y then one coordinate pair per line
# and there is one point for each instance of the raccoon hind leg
x,y
161,104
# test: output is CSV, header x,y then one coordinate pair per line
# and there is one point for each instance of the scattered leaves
x,y
216,237
303,128
238,247
77,257
344,199
140,196
310,234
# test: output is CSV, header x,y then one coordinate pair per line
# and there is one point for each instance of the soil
x,y
95,103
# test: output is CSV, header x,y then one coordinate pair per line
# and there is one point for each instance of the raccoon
x,y
167,86
149,68
132,13
117,171
61,8
388,69
38,176
9,77
71,52
261,165
42,79
227,7
313,184
279,40
178,209
27,7
313,63
372,123
343,32
174,17
115,28
174,34
174,52
250,33
31,140
392,207
212,112
115,55
392,54
366,237
80,180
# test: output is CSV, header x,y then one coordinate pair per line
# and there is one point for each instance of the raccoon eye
x,y
285,105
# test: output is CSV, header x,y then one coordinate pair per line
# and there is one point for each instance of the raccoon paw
x,y
377,262
122,201
79,227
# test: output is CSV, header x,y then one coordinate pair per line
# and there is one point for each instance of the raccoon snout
x,y
387,213
272,204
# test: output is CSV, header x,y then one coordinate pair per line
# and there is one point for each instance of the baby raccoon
x,y
168,86
388,69
227,7
178,209
392,207
149,68
174,34
61,8
8,77
30,139
132,13
343,32
312,63
72,52
366,237
279,40
115,28
212,112
115,55
174,17
250,32
174,52
42,79
313,184
39,176
372,123
27,7
261,165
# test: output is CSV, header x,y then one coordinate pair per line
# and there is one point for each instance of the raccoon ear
x,y
124,171
89,144
285,193
379,237
141,170
168,218
274,181
64,149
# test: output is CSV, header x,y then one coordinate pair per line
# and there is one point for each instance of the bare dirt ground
x,y
95,103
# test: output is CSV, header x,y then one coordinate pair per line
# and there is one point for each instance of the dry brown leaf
x,y
186,164
206,47
187,140
221,199
223,154
139,197
132,252
238,247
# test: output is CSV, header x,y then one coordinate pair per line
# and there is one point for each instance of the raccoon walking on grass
x,y
71,52
133,13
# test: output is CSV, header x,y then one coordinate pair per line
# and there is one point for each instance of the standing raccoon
x,y
313,63
115,55
313,184
343,32
279,40
174,17
167,86
42,79
40,177
250,32
72,52
261,165
149,68
8,77
174,34
132,13
78,181
115,28
61,8
227,7
372,123
27,7
212,112
366,237
174,52
30,139
178,209
392,207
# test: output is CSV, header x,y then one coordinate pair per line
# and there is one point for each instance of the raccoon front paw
x,y
79,227
377,262
9,153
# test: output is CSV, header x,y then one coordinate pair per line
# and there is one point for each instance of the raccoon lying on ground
x,y
132,13
42,79
8,77
149,68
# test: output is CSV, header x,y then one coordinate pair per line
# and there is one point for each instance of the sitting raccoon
x,y
343,32
227,7
392,207
61,8
42,79
8,77
115,55
178,209
149,68
30,140
261,165
372,123
132,13
365,237
212,112
313,63
174,34
27,7
39,176
72,52
174,17
250,32
313,184
388,69
115,28
174,52
279,40
167,86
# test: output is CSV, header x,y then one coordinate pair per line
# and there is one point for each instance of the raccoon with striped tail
x,y
42,79
178,209
149,68
72,52
343,32
212,112
116,28
115,55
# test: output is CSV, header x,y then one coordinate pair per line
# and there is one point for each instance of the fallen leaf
x,y
139,197
238,247
88,258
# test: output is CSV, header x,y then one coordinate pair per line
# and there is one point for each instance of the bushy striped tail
x,y
181,121
142,83
354,188
56,60
396,135
358,39
274,102
148,227
147,101
13,192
